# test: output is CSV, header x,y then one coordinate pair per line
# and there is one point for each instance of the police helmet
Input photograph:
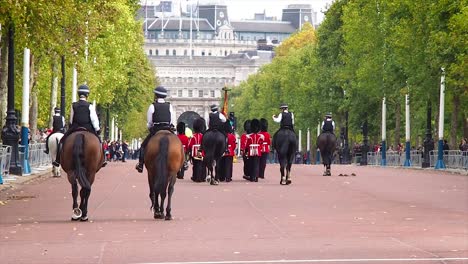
x,y
160,92
329,114
57,110
83,90
283,106
214,108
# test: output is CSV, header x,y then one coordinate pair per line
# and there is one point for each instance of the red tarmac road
x,y
382,215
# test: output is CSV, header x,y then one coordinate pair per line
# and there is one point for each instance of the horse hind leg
x,y
84,193
76,211
283,177
288,174
328,170
170,191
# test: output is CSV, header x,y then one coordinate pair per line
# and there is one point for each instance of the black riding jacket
x,y
57,125
328,126
215,122
81,115
162,114
286,120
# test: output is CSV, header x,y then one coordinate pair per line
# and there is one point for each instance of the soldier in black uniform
x,y
160,116
58,125
82,115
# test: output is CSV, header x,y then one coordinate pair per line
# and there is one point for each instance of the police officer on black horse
x,y
160,116
328,125
58,126
216,121
82,115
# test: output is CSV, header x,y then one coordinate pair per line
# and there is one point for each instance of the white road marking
x,y
311,261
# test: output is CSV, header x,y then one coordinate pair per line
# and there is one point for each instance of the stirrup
x,y
55,163
104,164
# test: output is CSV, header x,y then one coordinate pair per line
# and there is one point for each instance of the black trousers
x,y
263,162
224,168
198,171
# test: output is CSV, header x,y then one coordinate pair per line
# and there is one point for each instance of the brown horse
x,y
164,158
81,158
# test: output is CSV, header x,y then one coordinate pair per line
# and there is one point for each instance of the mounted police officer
x,y
285,118
216,121
58,126
328,125
160,116
82,115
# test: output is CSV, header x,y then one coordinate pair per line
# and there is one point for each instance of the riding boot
x,y
105,161
56,162
139,166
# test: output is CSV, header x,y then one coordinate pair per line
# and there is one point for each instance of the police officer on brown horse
x,y
160,116
82,115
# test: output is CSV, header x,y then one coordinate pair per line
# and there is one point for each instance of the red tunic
x,y
196,139
231,144
266,142
252,140
184,139
243,142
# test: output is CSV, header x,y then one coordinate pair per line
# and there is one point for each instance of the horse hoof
x,y
288,182
214,182
84,219
168,217
75,219
76,214
208,179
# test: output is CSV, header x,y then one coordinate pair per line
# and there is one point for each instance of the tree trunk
x,y
3,75
33,102
465,127
397,123
454,127
53,91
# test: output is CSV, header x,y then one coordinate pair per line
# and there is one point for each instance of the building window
x,y
212,93
150,52
200,93
167,52
174,53
157,52
203,53
225,53
179,93
190,93
193,52
185,52
209,53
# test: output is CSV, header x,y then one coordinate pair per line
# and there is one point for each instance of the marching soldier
x,y
265,147
195,153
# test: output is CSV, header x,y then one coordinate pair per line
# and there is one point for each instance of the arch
x,y
150,52
167,52
157,52
188,117
174,52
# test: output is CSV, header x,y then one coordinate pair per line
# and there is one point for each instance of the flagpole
x,y
191,21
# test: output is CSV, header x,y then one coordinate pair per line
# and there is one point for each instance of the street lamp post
x,y
365,145
428,141
10,133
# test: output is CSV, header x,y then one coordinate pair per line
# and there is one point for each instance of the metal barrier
x,y
453,159
5,157
374,158
38,160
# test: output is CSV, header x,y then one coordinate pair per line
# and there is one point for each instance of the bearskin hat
x,y
255,125
247,128
199,125
263,125
181,128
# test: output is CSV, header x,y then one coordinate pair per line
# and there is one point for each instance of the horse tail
x,y
161,165
78,168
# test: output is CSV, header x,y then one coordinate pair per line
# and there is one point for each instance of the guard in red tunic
x,y
243,142
265,147
253,148
184,139
195,153
225,168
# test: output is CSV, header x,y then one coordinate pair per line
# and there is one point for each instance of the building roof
x,y
173,23
263,26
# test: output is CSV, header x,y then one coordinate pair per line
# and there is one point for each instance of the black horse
x,y
214,145
285,144
326,142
